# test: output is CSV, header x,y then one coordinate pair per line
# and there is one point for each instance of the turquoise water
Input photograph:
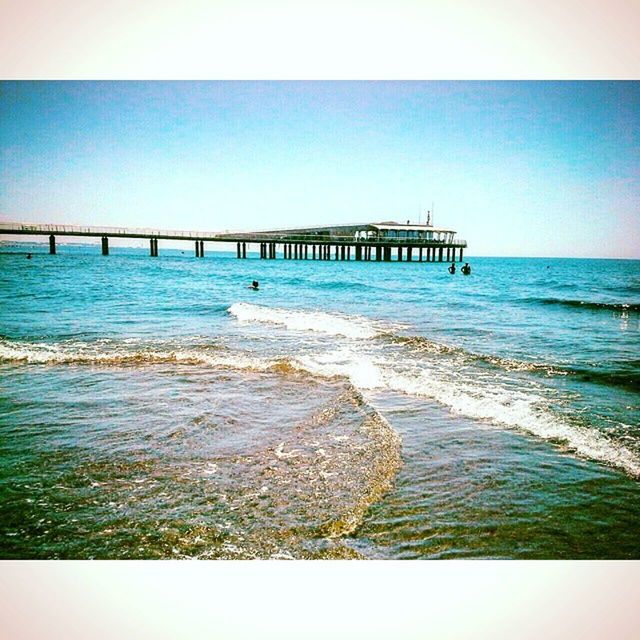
x,y
157,407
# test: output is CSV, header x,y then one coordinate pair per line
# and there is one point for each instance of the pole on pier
x,y
105,246
52,245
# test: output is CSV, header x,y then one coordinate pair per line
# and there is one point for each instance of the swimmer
x,y
466,270
28,256
254,285
452,268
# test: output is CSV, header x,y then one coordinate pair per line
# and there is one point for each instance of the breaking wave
x,y
451,377
327,323
588,304
373,356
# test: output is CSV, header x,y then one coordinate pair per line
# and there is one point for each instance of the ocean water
x,y
158,408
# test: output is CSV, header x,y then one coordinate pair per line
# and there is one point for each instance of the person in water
x,y
254,285
452,268
28,256
466,269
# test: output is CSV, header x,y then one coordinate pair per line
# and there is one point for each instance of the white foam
x,y
480,399
328,323
87,353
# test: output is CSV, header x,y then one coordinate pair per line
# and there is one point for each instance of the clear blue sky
x,y
517,168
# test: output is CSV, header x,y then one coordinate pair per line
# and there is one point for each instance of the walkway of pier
x,y
379,242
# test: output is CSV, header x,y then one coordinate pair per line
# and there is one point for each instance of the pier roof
x,y
409,227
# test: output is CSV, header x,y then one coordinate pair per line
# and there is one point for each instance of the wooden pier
x,y
371,242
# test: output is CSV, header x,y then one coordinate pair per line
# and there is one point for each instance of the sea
x,y
160,408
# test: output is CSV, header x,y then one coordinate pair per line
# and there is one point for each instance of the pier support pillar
x,y
349,252
342,253
409,250
420,255
153,247
244,250
440,255
448,254
313,251
105,246
399,254
460,254
358,252
52,245
202,248
239,251
306,251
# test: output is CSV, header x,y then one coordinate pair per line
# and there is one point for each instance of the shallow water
x,y
159,408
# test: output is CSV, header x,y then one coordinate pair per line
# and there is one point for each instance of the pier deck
x,y
297,243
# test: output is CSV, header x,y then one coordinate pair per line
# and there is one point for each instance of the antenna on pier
x,y
432,212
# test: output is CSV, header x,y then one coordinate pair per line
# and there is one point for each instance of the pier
x,y
371,242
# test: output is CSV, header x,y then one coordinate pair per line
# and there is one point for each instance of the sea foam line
x,y
479,400
319,321
88,354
